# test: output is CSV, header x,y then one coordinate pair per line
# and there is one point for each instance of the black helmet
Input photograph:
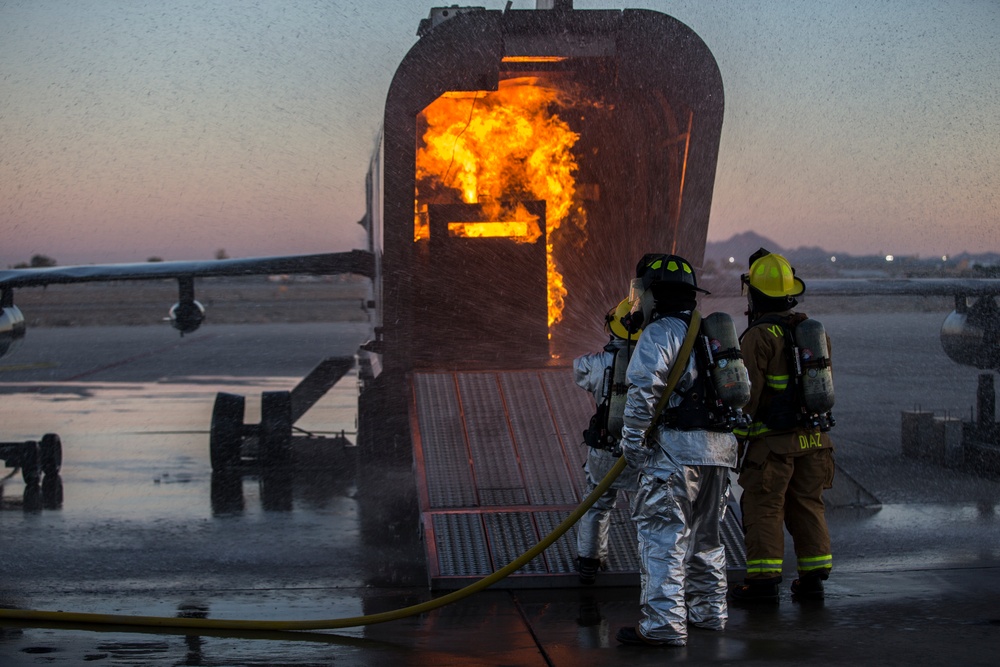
x,y
658,268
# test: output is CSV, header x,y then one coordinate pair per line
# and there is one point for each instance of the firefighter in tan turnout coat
x,y
788,456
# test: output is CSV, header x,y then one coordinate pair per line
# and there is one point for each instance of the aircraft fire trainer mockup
x,y
527,159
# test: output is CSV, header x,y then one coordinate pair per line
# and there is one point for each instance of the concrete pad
x,y
139,529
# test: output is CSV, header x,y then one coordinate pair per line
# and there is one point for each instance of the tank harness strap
x,y
691,413
680,364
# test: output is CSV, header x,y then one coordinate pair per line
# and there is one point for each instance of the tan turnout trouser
x,y
785,490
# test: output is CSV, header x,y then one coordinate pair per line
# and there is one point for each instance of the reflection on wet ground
x,y
135,523
47,495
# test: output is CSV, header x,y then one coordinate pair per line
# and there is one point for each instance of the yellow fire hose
x,y
371,619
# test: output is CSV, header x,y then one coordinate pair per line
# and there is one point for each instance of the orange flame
x,y
505,145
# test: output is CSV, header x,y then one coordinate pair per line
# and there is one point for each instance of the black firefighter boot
x,y
587,569
809,587
756,590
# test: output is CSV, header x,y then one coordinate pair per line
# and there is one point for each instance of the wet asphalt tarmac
x,y
135,523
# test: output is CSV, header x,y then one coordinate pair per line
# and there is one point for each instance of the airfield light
x,y
833,258
889,258
732,260
944,258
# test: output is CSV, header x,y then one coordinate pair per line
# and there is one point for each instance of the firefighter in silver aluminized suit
x,y
683,474
591,372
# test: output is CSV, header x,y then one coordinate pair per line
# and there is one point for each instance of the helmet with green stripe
x,y
657,268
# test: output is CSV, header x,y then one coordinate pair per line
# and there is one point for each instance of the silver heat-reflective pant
x,y
592,529
682,559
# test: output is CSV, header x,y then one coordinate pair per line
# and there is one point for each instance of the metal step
x,y
499,465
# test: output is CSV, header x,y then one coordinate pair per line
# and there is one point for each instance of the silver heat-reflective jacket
x,y
593,527
681,496
651,362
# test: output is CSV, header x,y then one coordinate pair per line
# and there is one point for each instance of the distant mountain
x,y
986,259
742,245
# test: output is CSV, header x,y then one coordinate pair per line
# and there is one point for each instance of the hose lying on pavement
x,y
371,619
330,624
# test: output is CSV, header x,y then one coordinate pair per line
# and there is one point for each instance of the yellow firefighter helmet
x,y
614,324
773,276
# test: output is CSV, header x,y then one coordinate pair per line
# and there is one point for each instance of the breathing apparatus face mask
x,y
745,292
634,320
647,305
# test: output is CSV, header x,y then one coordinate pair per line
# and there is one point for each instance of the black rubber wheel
x,y
50,449
225,437
31,469
275,428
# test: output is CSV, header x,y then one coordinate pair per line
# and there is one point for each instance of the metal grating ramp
x,y
499,465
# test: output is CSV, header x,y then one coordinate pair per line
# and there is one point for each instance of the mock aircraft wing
x,y
359,262
904,286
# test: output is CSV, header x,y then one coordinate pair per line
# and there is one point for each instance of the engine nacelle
x,y
187,316
12,329
970,335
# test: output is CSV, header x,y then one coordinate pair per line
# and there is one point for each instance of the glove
x,y
634,453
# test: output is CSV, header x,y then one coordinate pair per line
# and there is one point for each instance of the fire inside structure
x,y
529,158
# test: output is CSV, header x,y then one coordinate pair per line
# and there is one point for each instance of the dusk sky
x,y
131,129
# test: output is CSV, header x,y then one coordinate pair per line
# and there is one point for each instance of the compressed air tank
x,y
726,367
814,361
619,393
